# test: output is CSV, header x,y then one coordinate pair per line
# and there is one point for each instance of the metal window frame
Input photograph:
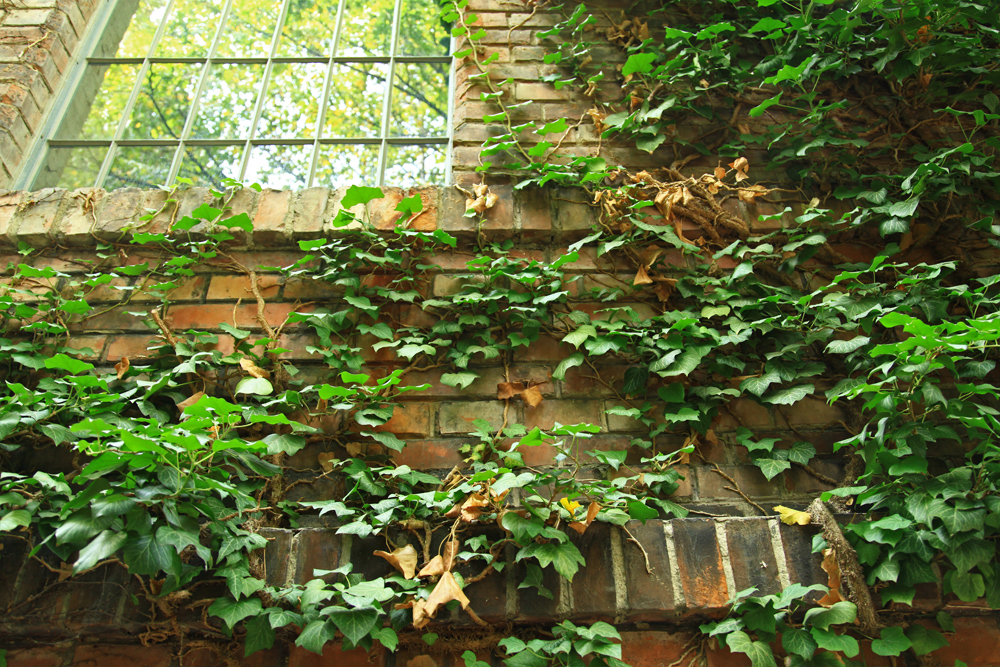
x,y
34,159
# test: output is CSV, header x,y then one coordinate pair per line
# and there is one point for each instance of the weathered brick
x,y
316,549
407,419
120,655
751,556
36,657
803,565
749,479
699,563
269,226
655,649
550,411
233,287
650,591
458,417
594,596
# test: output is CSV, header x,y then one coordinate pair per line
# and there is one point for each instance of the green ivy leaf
x,y
360,194
315,635
893,642
635,380
12,520
831,641
925,640
144,555
839,613
460,380
569,362
354,623
759,653
553,127
234,611
68,364
639,62
252,385
772,467
798,642
789,396
259,635
565,557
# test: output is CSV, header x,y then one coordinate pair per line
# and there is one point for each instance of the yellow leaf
x,y
792,517
569,505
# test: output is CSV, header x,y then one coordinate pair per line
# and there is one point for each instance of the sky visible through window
x,y
305,93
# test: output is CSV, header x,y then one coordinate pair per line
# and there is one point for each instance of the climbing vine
x,y
847,272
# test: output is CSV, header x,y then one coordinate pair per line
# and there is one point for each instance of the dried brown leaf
x,y
121,368
420,616
720,172
832,568
447,589
253,369
531,396
326,460
641,277
433,568
472,508
592,510
449,552
403,559
491,200
480,189
507,390
356,448
191,400
740,164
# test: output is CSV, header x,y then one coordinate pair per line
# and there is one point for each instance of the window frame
x,y
63,99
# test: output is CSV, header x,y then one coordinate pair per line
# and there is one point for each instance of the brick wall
x,y
694,565
37,41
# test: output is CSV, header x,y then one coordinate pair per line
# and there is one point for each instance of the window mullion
x,y
324,101
127,111
262,92
387,102
451,111
199,89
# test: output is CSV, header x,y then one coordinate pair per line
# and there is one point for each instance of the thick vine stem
x,y
850,568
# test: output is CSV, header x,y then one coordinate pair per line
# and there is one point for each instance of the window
x,y
289,94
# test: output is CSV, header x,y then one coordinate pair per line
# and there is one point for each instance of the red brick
x,y
334,655
430,454
231,288
656,649
407,419
550,411
133,347
35,657
210,316
743,412
749,478
312,288
188,289
122,655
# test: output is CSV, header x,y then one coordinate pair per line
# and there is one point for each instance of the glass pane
x,y
409,166
292,101
75,167
308,29
339,166
208,165
163,103
131,28
279,167
419,100
421,30
249,29
139,167
227,102
355,105
190,28
99,102
367,28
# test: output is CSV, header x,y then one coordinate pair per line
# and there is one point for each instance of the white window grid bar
x,y
383,141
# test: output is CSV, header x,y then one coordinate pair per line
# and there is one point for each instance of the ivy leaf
x,y
289,444
635,380
847,346
252,385
790,395
387,439
354,623
650,143
69,364
772,467
758,385
925,640
580,336
831,641
764,106
360,194
565,557
840,612
12,520
893,642
759,653
240,221
639,511
234,611
798,642
315,635
144,555
104,545
460,380
801,452
968,586
575,359
639,62
259,636
553,127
